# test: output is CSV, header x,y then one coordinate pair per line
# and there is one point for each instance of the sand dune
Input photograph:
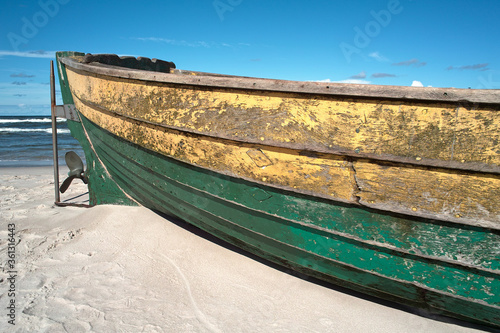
x,y
127,269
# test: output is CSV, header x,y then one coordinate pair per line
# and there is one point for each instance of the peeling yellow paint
x,y
443,132
435,192
230,157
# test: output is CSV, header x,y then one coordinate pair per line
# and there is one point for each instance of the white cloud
x,y
187,43
355,81
417,84
29,54
377,56
173,41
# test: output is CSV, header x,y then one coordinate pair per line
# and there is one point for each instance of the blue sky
x,y
390,42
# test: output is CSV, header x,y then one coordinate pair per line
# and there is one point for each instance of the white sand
x,y
126,269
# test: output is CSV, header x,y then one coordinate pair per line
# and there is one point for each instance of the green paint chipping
x,y
63,77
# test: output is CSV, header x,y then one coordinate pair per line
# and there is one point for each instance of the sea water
x,y
27,141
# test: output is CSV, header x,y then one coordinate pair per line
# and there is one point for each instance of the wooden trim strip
x,y
450,95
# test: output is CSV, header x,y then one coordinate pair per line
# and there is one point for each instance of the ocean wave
x,y
30,120
41,130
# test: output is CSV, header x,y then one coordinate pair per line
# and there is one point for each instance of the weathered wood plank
x,y
472,198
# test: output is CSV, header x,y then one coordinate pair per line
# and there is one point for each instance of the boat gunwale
x,y
465,97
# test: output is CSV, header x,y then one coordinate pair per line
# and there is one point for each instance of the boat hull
x,y
439,265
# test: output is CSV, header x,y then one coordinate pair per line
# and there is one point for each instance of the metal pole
x,y
54,132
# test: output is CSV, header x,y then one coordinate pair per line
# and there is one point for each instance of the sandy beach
x,y
127,269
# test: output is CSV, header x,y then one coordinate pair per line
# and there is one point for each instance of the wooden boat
x,y
391,191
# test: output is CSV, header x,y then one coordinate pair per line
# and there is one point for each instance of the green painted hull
x,y
409,260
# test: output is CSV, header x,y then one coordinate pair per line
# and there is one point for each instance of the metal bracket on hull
x,y
62,111
67,111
